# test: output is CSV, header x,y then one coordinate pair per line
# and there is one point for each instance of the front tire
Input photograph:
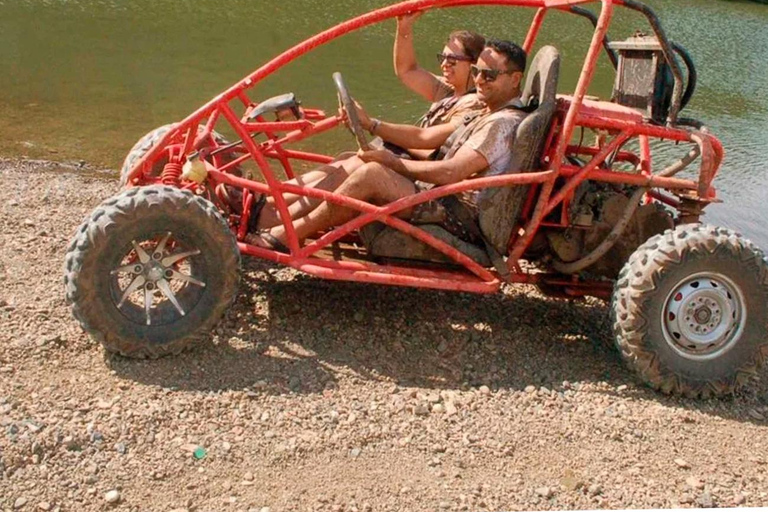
x,y
690,311
148,141
151,270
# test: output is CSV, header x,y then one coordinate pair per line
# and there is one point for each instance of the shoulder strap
x,y
459,135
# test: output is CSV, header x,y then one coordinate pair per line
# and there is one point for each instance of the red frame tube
x,y
574,111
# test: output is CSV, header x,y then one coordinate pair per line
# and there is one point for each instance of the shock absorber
x,y
171,173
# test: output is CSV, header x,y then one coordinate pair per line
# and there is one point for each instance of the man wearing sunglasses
x,y
482,147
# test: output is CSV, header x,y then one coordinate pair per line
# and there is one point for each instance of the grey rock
x,y
421,409
704,500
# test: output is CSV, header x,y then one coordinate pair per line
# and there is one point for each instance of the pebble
x,y
438,408
485,390
421,409
705,500
694,482
739,499
112,496
594,490
544,492
248,477
682,463
355,452
44,505
20,502
530,389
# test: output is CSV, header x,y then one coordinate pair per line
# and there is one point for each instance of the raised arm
x,y
407,69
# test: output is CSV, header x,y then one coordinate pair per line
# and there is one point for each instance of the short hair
x,y
512,51
472,42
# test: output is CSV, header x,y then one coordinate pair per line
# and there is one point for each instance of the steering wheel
x,y
346,102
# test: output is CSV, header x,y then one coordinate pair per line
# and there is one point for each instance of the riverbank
x,y
313,395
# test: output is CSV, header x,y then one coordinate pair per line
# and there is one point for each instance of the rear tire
x,y
151,271
690,310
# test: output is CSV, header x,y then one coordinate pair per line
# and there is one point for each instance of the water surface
x,y
84,79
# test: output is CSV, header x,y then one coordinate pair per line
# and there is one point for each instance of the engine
x,y
596,209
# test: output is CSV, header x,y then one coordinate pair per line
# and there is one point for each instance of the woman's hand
x,y
406,21
362,115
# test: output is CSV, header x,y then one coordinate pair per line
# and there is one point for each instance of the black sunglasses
x,y
488,74
451,59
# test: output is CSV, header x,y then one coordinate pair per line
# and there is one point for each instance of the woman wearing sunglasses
x,y
451,93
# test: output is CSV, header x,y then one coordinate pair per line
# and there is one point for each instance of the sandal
x,y
265,240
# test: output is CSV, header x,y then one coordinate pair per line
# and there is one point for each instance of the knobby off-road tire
x,y
690,311
149,140
150,235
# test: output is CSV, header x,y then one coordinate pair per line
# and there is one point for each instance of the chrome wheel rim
x,y
156,276
703,316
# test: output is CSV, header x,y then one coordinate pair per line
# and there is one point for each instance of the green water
x,y
83,79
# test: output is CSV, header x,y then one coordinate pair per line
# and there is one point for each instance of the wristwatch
x,y
374,124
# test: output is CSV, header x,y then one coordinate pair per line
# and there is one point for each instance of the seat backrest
x,y
500,207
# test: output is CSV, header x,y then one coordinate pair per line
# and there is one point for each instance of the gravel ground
x,y
313,395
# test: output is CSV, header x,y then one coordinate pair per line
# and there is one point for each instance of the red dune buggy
x,y
156,265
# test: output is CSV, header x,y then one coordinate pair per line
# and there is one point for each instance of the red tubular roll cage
x,y
573,111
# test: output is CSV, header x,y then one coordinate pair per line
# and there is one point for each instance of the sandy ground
x,y
313,395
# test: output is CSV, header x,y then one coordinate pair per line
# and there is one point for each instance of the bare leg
x,y
372,182
328,178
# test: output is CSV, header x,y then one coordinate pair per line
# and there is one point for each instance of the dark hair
x,y
514,54
472,43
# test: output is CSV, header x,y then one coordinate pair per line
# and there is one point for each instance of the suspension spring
x,y
171,173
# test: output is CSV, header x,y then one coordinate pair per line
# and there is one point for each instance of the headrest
x,y
542,76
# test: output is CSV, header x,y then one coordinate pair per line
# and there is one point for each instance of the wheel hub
x,y
703,315
156,270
